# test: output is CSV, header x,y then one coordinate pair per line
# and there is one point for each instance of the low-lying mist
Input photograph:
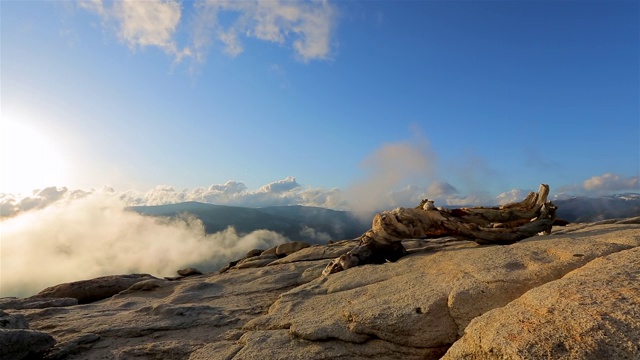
x,y
390,171
95,236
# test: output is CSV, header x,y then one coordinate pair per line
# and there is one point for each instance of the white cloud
x,y
280,186
315,32
232,47
143,23
517,195
282,192
308,26
468,200
611,182
11,205
7,205
331,198
512,196
96,236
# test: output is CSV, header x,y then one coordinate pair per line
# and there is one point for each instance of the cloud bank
x,y
11,205
282,192
512,196
611,182
96,235
306,26
278,193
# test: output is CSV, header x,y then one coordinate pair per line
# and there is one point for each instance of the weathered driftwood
x,y
503,225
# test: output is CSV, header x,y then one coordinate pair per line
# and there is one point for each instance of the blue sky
x,y
449,99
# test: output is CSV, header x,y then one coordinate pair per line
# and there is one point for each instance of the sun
x,y
30,158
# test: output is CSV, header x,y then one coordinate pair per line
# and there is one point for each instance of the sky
x,y
349,105
486,96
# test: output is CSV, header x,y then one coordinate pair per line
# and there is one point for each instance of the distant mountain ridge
x,y
586,209
304,223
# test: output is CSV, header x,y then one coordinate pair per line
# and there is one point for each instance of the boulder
x,y
291,247
227,267
270,251
19,344
189,272
145,285
591,313
88,291
254,252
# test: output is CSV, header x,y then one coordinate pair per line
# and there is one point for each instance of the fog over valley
x,y
60,235
97,235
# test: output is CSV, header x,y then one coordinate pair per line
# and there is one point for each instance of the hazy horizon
x,y
288,192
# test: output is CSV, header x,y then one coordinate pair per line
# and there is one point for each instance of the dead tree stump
x,y
502,225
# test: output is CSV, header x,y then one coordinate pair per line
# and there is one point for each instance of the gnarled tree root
x,y
502,225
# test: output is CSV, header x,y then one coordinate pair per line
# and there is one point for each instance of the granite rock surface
x,y
570,295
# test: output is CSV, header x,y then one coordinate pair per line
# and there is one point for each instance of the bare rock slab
x,y
88,291
279,344
426,300
414,308
591,313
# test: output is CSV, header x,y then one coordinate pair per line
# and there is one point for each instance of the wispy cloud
x,y
439,189
142,23
391,170
307,27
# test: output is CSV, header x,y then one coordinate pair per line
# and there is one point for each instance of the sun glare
x,y
30,158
